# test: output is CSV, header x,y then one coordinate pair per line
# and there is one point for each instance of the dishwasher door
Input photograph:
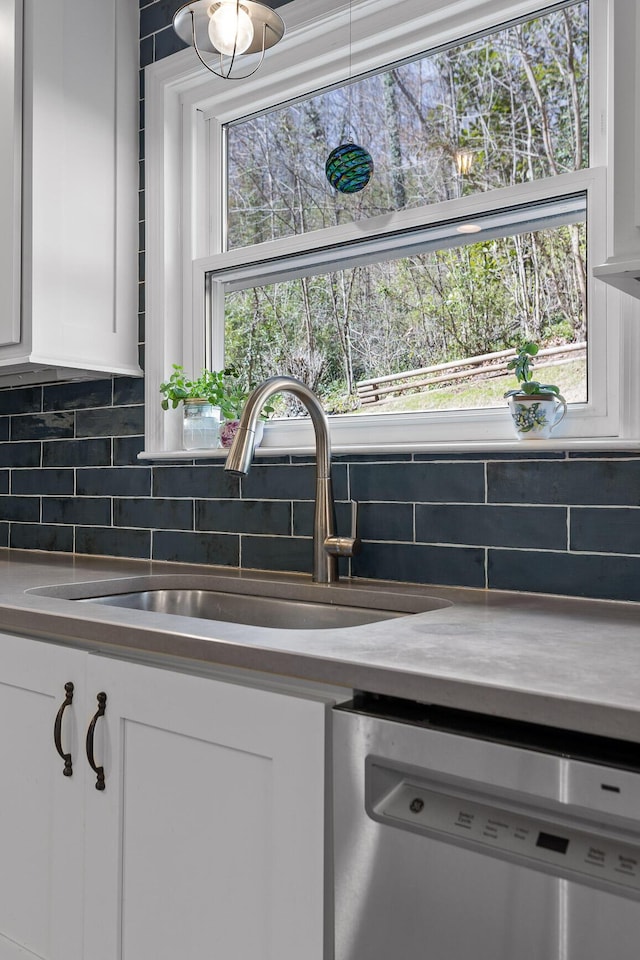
x,y
448,847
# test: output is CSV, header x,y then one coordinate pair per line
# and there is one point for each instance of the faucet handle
x,y
345,546
354,522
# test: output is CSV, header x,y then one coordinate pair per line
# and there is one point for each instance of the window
x,y
508,106
485,214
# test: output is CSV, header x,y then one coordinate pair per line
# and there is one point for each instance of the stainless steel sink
x,y
277,612
259,602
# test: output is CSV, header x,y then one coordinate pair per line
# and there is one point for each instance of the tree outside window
x,y
494,111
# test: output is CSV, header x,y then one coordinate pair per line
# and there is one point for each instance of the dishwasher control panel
x,y
574,850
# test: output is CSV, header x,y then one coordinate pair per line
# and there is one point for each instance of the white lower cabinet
x,y
207,839
41,810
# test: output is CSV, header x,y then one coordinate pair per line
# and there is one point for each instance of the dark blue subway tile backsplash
x,y
110,422
155,514
571,481
416,563
76,396
605,530
383,521
167,42
113,482
244,516
46,482
277,553
70,480
126,450
21,400
418,482
76,453
213,548
580,575
282,482
20,509
540,528
40,536
113,542
42,426
77,510
146,51
303,515
25,454
128,390
202,482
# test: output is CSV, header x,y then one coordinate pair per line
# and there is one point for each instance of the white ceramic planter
x,y
230,428
535,415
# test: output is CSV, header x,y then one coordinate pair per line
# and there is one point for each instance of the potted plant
x,y
536,408
212,405
202,408
232,405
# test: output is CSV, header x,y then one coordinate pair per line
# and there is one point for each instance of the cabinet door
x,y
10,167
41,823
80,182
208,838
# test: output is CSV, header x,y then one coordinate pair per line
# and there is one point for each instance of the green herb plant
x,y
220,388
522,366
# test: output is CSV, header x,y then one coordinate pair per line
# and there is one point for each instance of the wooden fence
x,y
485,366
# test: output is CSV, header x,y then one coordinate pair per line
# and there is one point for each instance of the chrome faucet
x,y
327,547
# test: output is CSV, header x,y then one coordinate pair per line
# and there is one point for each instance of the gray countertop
x,y
552,660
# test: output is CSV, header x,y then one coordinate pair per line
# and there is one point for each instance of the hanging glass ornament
x,y
349,168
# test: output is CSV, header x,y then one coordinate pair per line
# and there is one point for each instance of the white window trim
x,y
185,111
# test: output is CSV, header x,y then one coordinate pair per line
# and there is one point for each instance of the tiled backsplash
x,y
70,481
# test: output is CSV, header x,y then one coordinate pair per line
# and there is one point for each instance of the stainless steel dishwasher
x,y
460,837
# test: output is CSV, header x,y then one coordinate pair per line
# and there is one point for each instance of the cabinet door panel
x,y
41,830
10,167
210,830
200,814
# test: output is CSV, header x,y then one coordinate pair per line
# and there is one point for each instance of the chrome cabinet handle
x,y
57,730
99,771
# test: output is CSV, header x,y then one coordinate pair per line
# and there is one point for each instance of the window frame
x,y
185,170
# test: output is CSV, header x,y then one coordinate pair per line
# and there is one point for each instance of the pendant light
x,y
349,167
463,159
228,29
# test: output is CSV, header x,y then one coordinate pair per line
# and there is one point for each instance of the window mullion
x,y
345,243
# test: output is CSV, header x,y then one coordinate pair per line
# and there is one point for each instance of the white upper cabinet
x,y
622,269
68,189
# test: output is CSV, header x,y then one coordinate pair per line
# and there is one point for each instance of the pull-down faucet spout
x,y
327,547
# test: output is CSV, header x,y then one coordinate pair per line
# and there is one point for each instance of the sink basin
x,y
261,603
240,608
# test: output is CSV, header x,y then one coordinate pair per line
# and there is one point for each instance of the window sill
x,y
560,445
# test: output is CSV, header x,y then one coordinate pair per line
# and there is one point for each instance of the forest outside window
x,y
478,230
505,109
378,310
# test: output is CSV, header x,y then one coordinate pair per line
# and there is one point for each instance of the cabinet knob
x,y
99,771
57,730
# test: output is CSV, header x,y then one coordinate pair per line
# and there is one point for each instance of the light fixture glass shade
x,y
230,28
